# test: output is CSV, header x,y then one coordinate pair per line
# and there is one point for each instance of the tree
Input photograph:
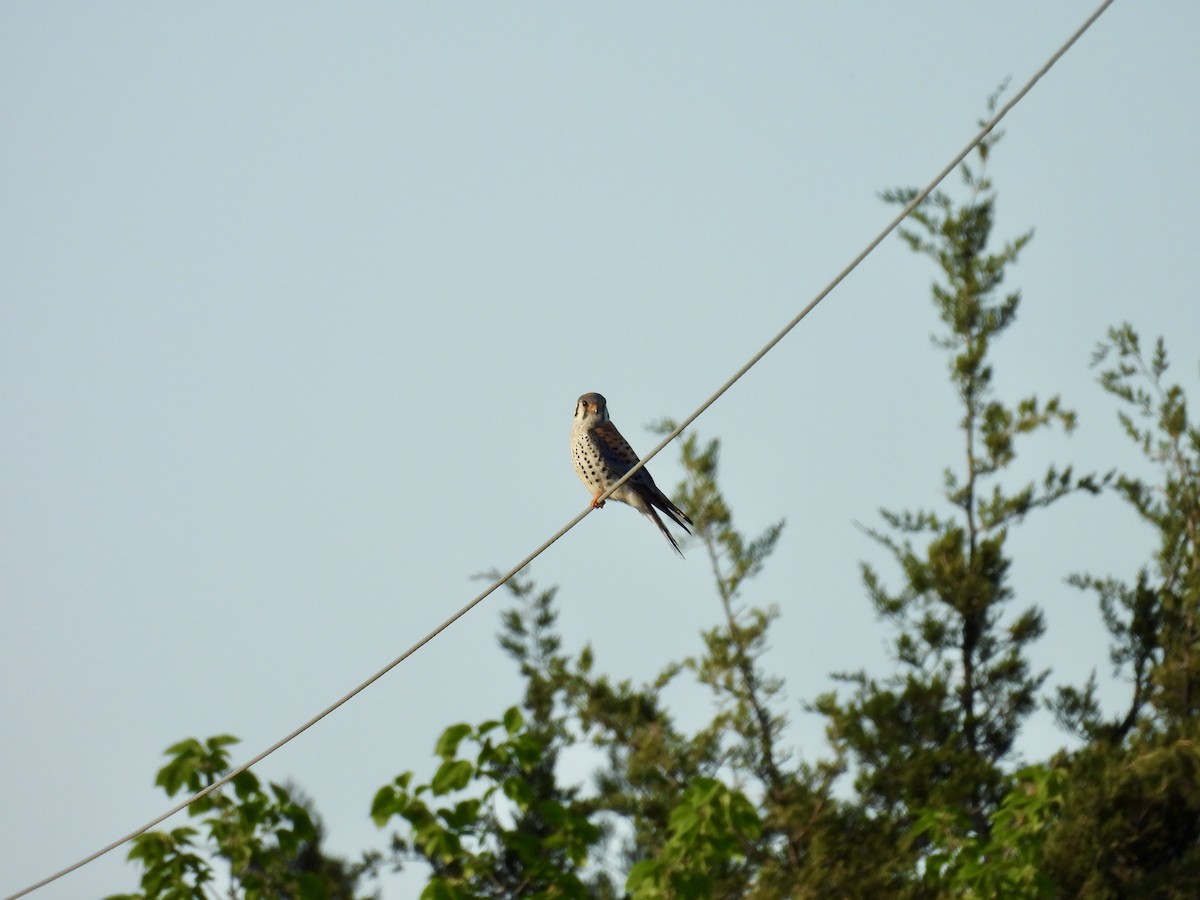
x,y
514,830
1120,816
721,811
269,839
936,735
1130,824
653,768
725,811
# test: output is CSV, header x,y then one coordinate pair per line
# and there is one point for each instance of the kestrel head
x,y
591,409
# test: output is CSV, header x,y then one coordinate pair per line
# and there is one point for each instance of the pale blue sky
x,y
297,301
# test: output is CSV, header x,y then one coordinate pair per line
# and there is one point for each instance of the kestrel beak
x,y
592,407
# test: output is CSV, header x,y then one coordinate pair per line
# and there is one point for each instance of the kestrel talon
x,y
602,457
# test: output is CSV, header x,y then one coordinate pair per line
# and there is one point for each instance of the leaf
x,y
447,745
388,802
452,775
640,877
245,785
518,791
440,889
464,815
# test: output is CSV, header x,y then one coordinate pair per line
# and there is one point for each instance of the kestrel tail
x,y
602,456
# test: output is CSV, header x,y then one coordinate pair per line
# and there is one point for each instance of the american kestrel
x,y
602,456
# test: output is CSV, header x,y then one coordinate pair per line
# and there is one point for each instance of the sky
x,y
297,300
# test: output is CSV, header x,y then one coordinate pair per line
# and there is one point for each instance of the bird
x,y
602,456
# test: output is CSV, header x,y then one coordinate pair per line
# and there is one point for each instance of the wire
x,y
841,276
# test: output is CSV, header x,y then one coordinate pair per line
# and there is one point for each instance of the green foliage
x,y
1154,622
696,834
730,666
929,742
1006,861
493,820
268,839
464,834
1130,823
712,830
172,871
651,762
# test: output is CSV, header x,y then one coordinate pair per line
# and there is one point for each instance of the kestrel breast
x,y
590,465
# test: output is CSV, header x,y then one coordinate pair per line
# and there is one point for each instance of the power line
x,y
841,276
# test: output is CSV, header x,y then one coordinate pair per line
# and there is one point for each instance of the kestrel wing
x,y
619,456
655,497
615,449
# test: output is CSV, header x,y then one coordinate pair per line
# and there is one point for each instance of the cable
x,y
891,226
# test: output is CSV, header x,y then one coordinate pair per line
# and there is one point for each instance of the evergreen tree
x,y
1130,823
936,735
